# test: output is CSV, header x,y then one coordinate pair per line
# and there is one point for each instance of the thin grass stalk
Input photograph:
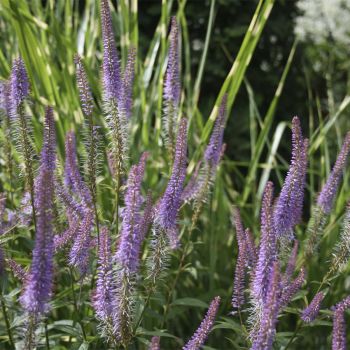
x,y
7,322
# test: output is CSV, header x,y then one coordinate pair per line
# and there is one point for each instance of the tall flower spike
x,y
130,238
310,313
239,279
172,86
83,86
339,327
326,197
267,249
128,80
214,148
291,264
172,79
17,270
102,300
79,254
267,329
38,289
48,154
241,262
19,90
289,204
19,84
110,66
171,200
289,290
72,175
339,330
201,335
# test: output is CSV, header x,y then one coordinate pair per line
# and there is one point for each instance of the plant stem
x,y
47,336
76,309
7,321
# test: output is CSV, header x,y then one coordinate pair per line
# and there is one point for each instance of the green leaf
x,y
190,302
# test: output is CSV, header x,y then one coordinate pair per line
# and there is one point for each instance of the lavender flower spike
x,y
130,238
339,327
267,329
38,288
19,84
172,88
170,202
339,330
172,79
110,66
267,250
102,301
205,327
289,205
290,289
326,197
83,86
214,149
72,177
311,312
128,79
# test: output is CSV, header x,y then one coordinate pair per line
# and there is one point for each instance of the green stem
x,y
47,336
75,304
7,321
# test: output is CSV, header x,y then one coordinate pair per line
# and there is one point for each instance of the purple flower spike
x,y
172,79
267,329
326,197
38,289
292,288
238,286
17,270
79,254
169,204
128,79
83,86
339,326
267,249
291,264
200,336
237,221
72,177
251,249
213,152
155,343
19,84
289,205
310,313
102,300
48,153
110,65
339,330
130,238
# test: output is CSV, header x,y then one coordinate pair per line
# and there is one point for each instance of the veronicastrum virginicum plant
x,y
118,265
